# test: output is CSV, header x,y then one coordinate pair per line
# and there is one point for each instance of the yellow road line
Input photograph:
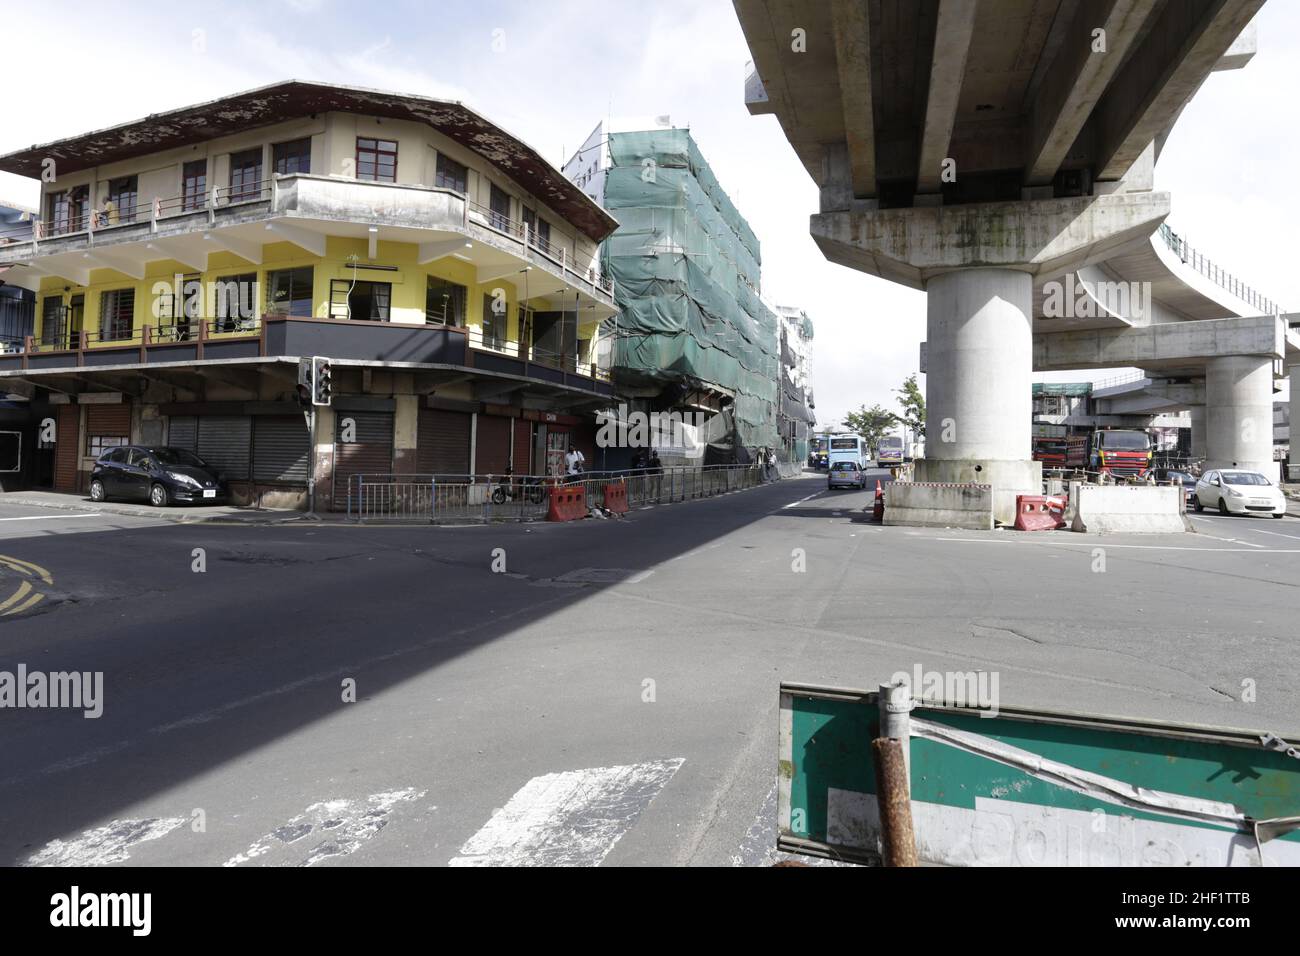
x,y
25,605
26,567
17,595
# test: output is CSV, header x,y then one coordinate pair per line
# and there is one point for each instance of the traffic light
x,y
320,379
304,382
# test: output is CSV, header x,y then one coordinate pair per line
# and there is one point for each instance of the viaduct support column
x,y
1239,413
978,395
1197,450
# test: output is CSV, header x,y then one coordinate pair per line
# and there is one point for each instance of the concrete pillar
x,y
406,419
979,364
323,449
1239,413
1197,450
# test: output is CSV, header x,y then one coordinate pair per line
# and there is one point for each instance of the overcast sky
x,y
558,67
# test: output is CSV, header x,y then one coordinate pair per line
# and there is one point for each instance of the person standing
x,y
575,463
655,469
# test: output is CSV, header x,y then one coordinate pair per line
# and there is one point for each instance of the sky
x,y
548,70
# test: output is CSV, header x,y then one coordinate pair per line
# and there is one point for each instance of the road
x,y
597,692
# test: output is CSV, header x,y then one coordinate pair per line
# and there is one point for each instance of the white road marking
x,y
104,845
337,828
572,818
88,514
795,504
1137,547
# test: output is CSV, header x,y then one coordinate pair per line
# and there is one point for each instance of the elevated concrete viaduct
x,y
980,149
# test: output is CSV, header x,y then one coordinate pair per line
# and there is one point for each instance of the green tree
x,y
912,402
871,423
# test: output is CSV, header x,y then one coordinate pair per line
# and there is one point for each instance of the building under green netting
x,y
685,266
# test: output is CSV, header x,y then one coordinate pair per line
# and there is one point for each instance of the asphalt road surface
x,y
597,692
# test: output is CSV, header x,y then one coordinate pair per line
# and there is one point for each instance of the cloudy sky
x,y
548,70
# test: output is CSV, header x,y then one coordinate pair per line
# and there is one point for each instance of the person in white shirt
x,y
574,463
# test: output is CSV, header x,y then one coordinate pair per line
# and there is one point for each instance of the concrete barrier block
x,y
915,504
1135,509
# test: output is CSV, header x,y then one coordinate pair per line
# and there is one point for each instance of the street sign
x,y
1038,788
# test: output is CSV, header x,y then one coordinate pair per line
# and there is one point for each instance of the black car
x,y
158,475
1186,479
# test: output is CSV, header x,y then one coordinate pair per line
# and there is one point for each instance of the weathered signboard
x,y
1038,788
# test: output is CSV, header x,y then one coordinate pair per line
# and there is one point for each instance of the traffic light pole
x,y
311,461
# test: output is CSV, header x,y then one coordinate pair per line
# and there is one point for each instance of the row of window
x,y
376,161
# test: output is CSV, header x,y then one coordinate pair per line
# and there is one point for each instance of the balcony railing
x,y
530,244
1219,276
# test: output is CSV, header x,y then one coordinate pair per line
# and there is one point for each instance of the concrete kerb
x,y
180,514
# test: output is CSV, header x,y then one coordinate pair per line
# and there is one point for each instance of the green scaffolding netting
x,y
685,266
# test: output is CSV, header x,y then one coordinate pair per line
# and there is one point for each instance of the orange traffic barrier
x,y
568,503
878,506
616,497
1056,505
1032,514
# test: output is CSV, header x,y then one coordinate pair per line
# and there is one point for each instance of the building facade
x,y
182,265
796,416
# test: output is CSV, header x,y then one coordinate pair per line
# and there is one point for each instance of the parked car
x,y
845,474
159,475
1233,491
1185,478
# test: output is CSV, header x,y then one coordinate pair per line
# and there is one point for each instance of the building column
x,y
1197,450
1293,433
406,418
1239,413
323,461
979,407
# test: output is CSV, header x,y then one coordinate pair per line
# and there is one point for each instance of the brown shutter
x,y
523,447
492,445
442,443
66,443
112,420
369,453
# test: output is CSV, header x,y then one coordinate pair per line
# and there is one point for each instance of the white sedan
x,y
1236,492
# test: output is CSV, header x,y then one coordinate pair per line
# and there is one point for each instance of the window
x,y
291,157
116,314
377,160
539,230
53,328
444,302
246,175
194,185
365,301
235,302
96,445
500,204
494,322
178,315
451,175
123,195
289,292
117,455
66,210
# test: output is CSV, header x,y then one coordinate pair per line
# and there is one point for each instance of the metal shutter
x,y
224,444
369,453
280,450
492,445
442,442
523,446
109,420
183,432
65,448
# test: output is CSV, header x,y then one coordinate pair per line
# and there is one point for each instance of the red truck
x,y
1118,452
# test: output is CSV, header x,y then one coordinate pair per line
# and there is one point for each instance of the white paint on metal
x,y
572,818
104,845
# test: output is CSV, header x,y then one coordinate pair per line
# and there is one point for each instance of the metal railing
x,y
488,498
1216,274
513,348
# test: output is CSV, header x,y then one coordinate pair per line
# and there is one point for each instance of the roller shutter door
x,y
280,450
523,446
369,453
109,420
492,445
442,442
183,432
225,443
65,448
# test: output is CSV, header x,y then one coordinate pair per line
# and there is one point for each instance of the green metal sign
x,y
1038,788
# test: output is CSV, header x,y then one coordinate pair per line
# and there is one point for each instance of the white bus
x,y
848,448
889,451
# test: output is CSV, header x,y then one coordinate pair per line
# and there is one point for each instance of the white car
x,y
1236,492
